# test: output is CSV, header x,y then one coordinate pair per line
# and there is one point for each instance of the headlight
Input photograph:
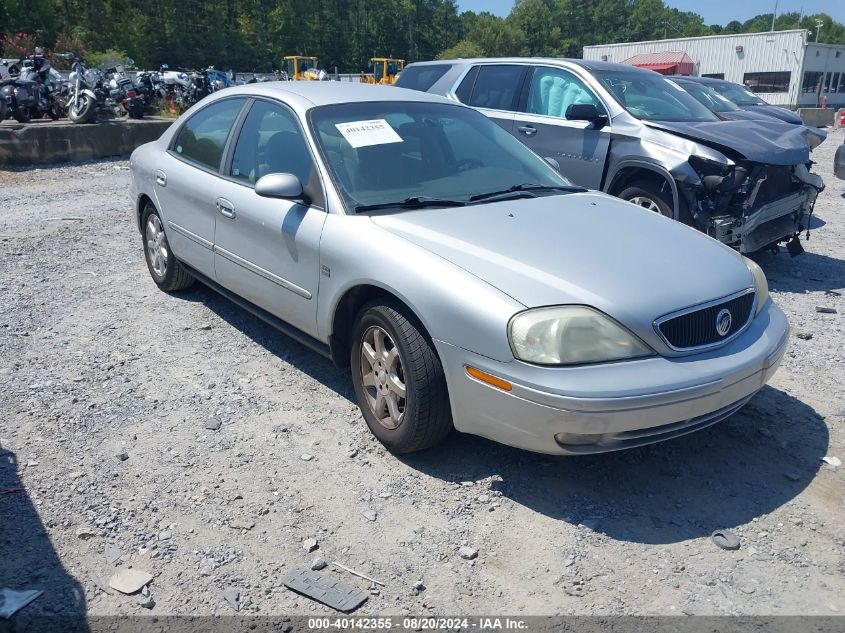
x,y
569,335
708,167
760,283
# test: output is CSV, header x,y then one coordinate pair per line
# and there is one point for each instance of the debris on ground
x,y
318,563
825,310
370,515
832,461
358,573
12,601
333,593
129,581
241,524
310,544
725,539
468,553
231,595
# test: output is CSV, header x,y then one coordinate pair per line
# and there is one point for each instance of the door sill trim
x,y
283,326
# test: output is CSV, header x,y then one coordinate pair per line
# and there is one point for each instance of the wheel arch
x,y
630,171
143,201
348,306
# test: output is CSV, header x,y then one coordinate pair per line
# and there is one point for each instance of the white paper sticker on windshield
x,y
365,133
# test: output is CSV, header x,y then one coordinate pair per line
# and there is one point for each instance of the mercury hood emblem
x,y
723,321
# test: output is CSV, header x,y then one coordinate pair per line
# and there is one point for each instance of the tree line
x,y
253,35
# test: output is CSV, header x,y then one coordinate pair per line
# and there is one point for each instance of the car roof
x,y
712,81
583,63
308,94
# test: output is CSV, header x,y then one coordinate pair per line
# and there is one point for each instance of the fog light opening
x,y
489,379
578,439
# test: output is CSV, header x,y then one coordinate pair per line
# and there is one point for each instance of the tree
x,y
462,50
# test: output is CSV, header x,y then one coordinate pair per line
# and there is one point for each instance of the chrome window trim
x,y
262,272
701,306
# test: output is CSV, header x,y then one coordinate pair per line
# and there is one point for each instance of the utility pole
x,y
774,15
819,25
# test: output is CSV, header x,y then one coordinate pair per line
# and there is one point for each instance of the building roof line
x,y
701,37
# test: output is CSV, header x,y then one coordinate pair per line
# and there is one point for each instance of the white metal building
x,y
783,67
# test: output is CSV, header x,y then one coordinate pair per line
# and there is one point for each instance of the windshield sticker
x,y
366,133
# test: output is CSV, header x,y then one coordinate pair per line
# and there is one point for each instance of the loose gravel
x,y
169,435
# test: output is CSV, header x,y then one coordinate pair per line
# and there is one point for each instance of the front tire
x,y
82,110
398,379
167,271
649,196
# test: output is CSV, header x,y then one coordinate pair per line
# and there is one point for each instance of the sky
x,y
713,11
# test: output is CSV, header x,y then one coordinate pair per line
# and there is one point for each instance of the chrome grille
x,y
696,327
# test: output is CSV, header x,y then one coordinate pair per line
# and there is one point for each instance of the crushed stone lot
x,y
182,437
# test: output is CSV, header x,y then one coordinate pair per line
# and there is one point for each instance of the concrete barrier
x,y
42,142
816,117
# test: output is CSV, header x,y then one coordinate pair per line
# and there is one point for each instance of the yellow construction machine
x,y
384,70
299,68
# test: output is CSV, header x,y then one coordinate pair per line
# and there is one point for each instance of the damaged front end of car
x,y
751,206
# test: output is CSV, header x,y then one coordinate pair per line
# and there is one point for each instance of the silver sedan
x,y
466,283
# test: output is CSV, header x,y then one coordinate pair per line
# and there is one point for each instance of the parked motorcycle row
x,y
30,88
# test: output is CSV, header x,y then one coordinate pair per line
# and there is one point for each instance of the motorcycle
x,y
92,91
30,88
122,90
150,88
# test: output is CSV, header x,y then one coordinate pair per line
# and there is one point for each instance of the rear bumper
x,y
599,408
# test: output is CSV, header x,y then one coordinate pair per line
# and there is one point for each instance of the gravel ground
x,y
108,388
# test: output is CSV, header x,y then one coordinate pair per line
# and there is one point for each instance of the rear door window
x,y
422,77
203,137
497,86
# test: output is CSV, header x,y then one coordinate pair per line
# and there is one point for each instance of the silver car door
x,y
267,249
185,182
579,147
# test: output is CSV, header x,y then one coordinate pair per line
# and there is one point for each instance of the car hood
x,y
776,112
756,141
583,248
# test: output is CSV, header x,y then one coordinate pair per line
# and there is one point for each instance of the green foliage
x,y
254,35
462,50
107,59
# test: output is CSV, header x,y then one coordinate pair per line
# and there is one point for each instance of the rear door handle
x,y
528,130
226,208
161,178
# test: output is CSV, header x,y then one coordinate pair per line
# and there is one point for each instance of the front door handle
x,y
528,130
161,178
226,208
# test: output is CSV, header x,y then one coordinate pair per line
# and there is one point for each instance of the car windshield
x,y
650,97
708,97
740,95
389,153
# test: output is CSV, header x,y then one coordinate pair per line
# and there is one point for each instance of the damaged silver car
x,y
635,134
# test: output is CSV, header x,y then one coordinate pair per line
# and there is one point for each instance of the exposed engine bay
x,y
751,206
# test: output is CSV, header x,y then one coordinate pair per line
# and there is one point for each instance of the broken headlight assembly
x,y
761,285
715,176
572,335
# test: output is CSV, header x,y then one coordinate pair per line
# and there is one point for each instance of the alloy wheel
x,y
156,246
645,203
383,378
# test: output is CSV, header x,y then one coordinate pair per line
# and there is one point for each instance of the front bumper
x,y
612,406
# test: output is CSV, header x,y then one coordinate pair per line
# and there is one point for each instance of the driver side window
x,y
553,90
270,142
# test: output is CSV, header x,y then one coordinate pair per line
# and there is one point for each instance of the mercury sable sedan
x,y
465,282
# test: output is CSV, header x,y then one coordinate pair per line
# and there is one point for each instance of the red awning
x,y
666,63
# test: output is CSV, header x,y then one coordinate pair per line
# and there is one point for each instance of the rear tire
x,y
648,195
395,370
83,111
21,115
167,271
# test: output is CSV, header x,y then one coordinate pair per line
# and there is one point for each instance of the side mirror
x,y
165,66
285,186
586,112
552,161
